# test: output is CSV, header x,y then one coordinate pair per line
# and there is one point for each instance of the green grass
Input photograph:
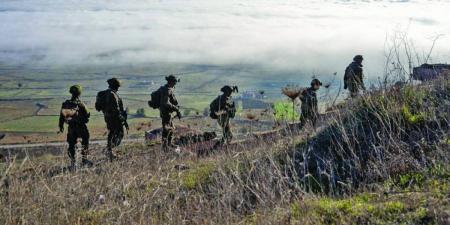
x,y
50,123
366,209
412,118
31,124
284,112
414,200
198,176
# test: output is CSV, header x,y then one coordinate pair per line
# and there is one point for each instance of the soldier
x,y
309,106
76,115
168,105
115,116
353,78
223,109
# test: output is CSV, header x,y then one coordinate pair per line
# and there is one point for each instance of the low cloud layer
x,y
281,35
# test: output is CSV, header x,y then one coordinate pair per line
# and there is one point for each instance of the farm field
x,y
30,96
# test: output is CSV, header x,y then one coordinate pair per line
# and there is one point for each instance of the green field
x,y
23,88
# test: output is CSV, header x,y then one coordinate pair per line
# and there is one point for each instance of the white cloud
x,y
288,35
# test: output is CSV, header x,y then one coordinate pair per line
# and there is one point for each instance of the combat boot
x,y
84,160
165,145
170,143
72,166
110,155
169,146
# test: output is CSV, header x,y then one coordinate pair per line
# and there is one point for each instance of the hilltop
x,y
379,159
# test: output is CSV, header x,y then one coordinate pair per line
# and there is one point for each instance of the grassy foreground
x,y
381,159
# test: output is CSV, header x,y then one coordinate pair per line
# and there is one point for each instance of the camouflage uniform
x,y
115,117
309,106
169,104
77,128
225,103
353,78
223,109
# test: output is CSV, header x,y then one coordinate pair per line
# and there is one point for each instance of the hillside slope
x,y
380,159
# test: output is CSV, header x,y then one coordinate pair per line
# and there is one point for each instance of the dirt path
x,y
59,144
21,151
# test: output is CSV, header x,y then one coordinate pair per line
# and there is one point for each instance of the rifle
x,y
124,122
178,114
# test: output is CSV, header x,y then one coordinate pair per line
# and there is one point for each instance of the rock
x,y
101,199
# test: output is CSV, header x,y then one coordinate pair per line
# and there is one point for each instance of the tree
x,y
140,112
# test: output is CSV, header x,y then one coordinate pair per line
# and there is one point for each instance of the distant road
x,y
103,142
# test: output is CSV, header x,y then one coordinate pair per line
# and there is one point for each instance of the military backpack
x,y
214,108
100,102
69,111
155,101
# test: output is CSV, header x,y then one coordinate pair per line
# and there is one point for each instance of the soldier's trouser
x,y
224,122
74,132
308,115
167,132
115,132
354,89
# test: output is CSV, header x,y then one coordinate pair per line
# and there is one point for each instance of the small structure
x,y
40,107
253,100
252,94
143,84
430,71
254,104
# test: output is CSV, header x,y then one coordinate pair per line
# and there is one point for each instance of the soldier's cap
x,y
114,82
75,89
316,82
227,88
358,57
172,78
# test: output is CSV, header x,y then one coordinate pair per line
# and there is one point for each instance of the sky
x,y
303,35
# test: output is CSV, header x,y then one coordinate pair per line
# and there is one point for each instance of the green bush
x,y
283,111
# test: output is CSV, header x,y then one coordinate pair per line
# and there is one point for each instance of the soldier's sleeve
x,y
165,100
346,74
230,104
361,78
302,96
84,110
61,119
114,104
175,101
315,103
213,105
121,105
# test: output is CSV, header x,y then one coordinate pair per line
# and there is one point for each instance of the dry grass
x,y
369,146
